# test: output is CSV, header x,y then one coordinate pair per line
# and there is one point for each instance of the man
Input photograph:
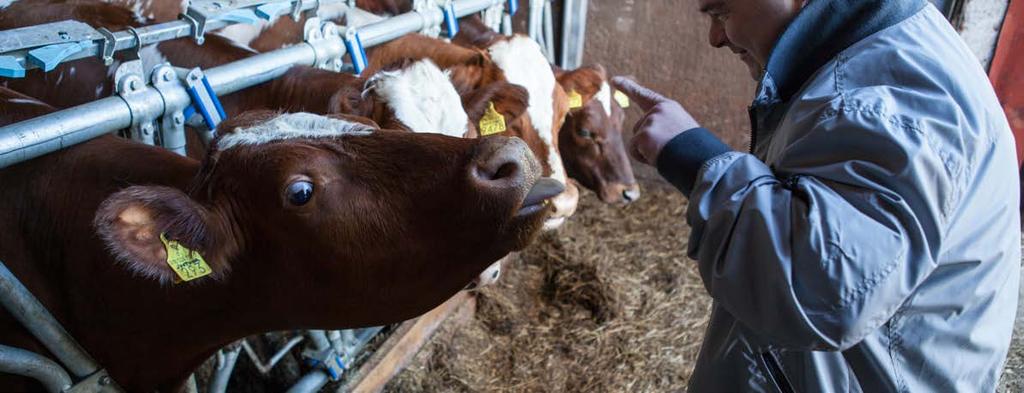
x,y
870,241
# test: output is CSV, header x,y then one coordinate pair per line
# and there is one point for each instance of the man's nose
x,y
716,35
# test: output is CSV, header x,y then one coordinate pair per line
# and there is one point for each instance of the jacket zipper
x,y
775,372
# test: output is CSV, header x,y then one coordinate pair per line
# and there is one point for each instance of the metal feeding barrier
x,y
155,105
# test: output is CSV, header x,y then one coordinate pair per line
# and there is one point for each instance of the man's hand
x,y
665,119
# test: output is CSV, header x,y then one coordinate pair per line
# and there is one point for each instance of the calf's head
x,y
376,226
591,138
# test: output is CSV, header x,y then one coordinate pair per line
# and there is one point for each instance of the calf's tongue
x,y
545,188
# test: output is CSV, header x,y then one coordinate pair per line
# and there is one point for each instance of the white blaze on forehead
x,y
422,97
604,96
292,126
524,64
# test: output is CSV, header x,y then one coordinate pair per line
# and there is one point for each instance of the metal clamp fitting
x,y
204,99
356,53
451,21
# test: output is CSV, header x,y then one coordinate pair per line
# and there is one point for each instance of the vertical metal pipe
x,y
549,35
574,33
43,326
21,362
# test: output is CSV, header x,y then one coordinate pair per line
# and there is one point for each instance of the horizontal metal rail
x,y
138,37
48,133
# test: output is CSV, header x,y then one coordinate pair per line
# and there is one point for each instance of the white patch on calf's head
x,y
242,34
151,57
524,64
422,97
604,96
292,126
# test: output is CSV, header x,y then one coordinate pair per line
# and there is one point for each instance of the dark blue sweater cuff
x,y
684,155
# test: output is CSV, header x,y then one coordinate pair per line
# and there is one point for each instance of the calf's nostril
x,y
507,169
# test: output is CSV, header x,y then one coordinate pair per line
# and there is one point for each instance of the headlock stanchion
x,y
154,106
48,133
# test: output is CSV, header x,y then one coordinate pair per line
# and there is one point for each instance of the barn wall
x,y
664,44
979,26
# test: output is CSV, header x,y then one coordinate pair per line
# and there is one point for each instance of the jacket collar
x,y
822,30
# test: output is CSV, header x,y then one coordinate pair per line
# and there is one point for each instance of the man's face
x,y
749,27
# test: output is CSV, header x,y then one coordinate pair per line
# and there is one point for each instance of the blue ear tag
x,y
451,22
356,53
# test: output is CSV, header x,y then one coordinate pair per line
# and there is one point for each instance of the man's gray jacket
x,y
871,241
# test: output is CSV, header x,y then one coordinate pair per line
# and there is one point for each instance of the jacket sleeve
x,y
819,250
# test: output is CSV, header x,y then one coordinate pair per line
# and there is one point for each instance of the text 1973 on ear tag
x,y
492,122
188,264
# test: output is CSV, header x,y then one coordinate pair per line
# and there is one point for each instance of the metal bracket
x,y
98,382
129,80
423,8
164,79
63,32
204,99
354,47
300,4
451,20
327,360
107,45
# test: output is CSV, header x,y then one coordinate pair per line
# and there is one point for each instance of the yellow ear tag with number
x,y
622,99
187,263
575,100
492,122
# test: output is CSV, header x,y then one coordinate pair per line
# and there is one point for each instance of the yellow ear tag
x,y
492,122
575,100
622,99
187,263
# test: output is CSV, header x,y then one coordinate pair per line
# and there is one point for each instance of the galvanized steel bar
x,y
21,362
45,134
43,326
574,33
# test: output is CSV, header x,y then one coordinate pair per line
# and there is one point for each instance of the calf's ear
x,y
160,233
585,81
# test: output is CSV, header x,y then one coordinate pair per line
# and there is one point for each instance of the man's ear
x,y
585,81
132,221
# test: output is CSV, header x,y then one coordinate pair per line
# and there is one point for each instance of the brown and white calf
x,y
304,222
389,102
590,141
474,72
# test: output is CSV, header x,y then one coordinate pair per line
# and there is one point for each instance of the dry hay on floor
x,y
608,303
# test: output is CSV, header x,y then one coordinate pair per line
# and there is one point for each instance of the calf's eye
x,y
300,192
583,132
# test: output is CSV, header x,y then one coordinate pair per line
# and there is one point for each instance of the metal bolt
x,y
63,35
133,84
147,129
179,119
167,76
105,380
